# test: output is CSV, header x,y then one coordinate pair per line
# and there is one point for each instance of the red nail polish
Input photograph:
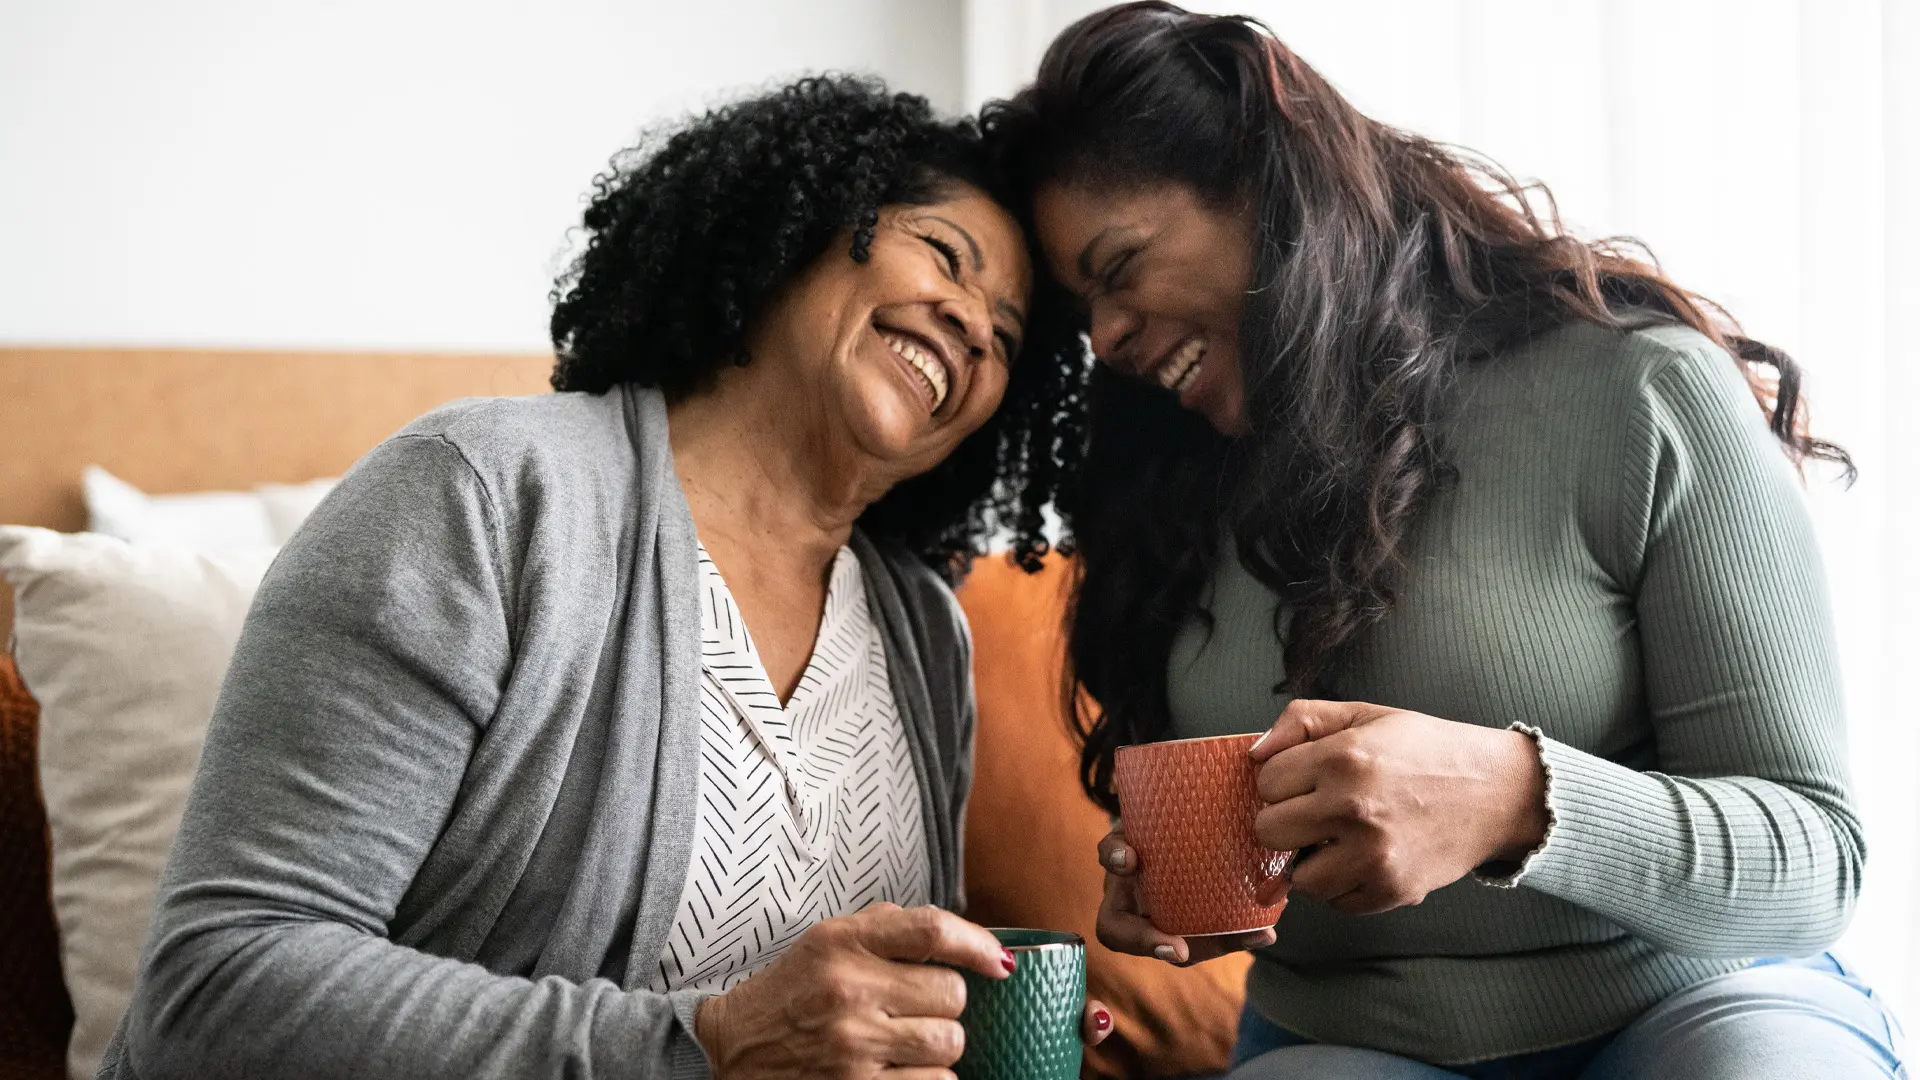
x,y
1006,960
1101,1020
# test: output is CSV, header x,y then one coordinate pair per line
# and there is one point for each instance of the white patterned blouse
x,y
805,812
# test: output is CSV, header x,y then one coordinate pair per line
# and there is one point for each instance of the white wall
x,y
360,173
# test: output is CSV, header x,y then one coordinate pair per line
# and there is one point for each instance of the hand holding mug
x,y
1394,804
860,995
1187,879
1123,925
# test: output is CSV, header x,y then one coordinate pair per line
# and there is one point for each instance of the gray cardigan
x,y
442,821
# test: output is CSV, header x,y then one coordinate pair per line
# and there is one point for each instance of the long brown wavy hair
x,y
1383,262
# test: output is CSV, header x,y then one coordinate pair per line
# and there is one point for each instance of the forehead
x,y
1071,209
1078,221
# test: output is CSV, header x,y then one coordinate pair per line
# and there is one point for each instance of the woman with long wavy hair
x,y
1503,526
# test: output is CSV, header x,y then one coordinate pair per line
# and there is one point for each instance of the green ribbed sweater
x,y
1626,565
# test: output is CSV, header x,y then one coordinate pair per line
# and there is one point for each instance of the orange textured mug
x,y
1187,807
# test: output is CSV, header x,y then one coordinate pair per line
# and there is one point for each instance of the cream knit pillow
x,y
124,647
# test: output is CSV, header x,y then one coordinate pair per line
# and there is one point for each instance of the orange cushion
x,y
35,1015
1032,833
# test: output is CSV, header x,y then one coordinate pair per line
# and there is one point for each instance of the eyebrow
x,y
972,245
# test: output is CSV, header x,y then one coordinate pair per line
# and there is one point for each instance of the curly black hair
x,y
690,232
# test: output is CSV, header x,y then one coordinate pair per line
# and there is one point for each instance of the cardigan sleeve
x,y
368,669
1743,840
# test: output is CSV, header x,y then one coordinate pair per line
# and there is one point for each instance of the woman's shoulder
x,y
565,461
1624,368
510,430
1581,386
1631,356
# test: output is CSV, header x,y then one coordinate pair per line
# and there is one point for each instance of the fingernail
x,y
1118,860
1101,1020
1165,952
1006,957
1260,742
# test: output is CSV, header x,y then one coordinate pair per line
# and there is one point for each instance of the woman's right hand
x,y
1123,925
854,997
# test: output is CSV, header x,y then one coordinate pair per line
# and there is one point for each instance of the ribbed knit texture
x,y
1626,564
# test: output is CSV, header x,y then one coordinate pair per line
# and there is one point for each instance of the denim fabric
x,y
1778,1018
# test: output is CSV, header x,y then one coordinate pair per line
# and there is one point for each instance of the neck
x,y
760,474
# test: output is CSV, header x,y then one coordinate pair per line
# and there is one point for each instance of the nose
x,y
968,319
1109,328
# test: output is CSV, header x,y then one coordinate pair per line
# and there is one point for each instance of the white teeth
x,y
929,367
1178,372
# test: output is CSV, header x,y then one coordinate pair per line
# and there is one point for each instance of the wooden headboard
x,y
174,420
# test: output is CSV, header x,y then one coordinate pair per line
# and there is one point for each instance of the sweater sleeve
x,y
364,680
1742,841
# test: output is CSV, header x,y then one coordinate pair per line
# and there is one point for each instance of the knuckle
x,y
837,991
951,995
945,1041
831,930
843,1038
1354,806
1353,758
927,923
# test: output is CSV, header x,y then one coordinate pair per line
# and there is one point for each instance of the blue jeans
x,y
1776,1020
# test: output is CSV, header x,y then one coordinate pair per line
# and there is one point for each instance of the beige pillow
x,y
223,521
124,647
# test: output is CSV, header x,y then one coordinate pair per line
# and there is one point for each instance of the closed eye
x,y
951,253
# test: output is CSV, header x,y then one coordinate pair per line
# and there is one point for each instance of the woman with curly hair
x,y
625,732
1489,519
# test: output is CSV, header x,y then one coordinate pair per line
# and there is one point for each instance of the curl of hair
x,y
692,232
1383,262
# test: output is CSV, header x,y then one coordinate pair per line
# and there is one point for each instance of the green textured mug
x,y
1027,1025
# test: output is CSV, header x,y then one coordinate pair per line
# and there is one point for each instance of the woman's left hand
x,y
1394,804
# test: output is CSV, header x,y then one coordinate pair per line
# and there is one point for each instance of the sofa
x,y
193,420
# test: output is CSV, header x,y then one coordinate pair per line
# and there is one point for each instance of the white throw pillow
x,y
287,505
204,521
124,647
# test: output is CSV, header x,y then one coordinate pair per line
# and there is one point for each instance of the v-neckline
x,y
728,629
729,655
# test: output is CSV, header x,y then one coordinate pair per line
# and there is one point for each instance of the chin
x,y
1225,409
891,429
1228,422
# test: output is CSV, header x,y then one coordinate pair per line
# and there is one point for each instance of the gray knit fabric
x,y
442,821
1626,565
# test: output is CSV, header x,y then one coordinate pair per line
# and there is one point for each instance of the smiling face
x,y
1164,278
902,356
